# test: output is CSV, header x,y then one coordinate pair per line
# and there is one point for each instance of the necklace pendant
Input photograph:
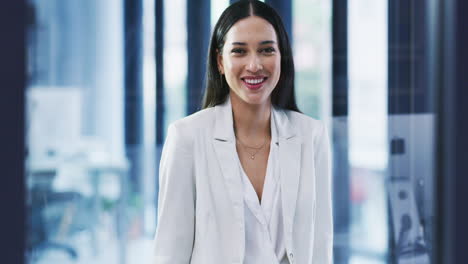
x,y
252,157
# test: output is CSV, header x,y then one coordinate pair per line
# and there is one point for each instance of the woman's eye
x,y
268,50
238,51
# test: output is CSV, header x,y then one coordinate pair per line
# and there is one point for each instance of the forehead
x,y
252,29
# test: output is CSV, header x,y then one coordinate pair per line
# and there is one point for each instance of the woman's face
x,y
250,60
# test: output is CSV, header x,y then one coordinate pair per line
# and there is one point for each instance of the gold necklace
x,y
252,155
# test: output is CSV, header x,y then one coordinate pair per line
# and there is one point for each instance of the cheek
x,y
278,63
275,66
232,68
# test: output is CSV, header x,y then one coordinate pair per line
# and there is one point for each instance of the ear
x,y
219,59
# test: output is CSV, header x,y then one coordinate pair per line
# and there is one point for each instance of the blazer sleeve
x,y
174,238
323,240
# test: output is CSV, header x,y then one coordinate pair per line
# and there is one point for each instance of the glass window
x,y
217,8
175,60
312,56
367,64
391,133
80,206
149,116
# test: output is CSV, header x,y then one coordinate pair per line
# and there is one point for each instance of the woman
x,y
247,179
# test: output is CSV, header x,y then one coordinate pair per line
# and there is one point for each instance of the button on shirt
x,y
264,232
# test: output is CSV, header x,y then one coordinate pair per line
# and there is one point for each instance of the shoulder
x,y
305,125
313,132
191,125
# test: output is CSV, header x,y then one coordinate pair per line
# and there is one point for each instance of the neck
x,y
251,122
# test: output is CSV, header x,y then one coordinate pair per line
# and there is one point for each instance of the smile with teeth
x,y
254,81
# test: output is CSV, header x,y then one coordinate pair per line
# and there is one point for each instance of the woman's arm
x,y
176,204
323,241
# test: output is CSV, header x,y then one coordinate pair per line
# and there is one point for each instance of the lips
x,y
254,83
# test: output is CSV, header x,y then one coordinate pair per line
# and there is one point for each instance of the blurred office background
x,y
104,79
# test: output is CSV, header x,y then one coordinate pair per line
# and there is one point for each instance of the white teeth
x,y
253,81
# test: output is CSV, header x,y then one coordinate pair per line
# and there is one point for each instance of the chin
x,y
247,97
255,100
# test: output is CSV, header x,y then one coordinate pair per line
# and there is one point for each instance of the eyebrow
x,y
261,43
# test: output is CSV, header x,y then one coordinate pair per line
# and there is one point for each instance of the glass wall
x,y
217,8
175,60
82,204
150,150
391,132
87,203
368,151
312,56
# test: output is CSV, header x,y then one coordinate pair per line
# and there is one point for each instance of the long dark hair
x,y
217,89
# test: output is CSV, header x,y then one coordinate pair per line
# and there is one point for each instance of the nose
x,y
254,64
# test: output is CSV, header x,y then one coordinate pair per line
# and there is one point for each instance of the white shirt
x,y
264,230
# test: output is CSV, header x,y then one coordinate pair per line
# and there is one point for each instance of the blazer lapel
x,y
290,162
226,153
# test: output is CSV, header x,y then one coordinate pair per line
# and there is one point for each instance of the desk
x,y
96,169
44,173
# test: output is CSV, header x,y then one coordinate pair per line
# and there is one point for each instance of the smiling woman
x,y
250,61
235,35
255,181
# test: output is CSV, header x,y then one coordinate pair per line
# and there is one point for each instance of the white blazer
x,y
201,209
